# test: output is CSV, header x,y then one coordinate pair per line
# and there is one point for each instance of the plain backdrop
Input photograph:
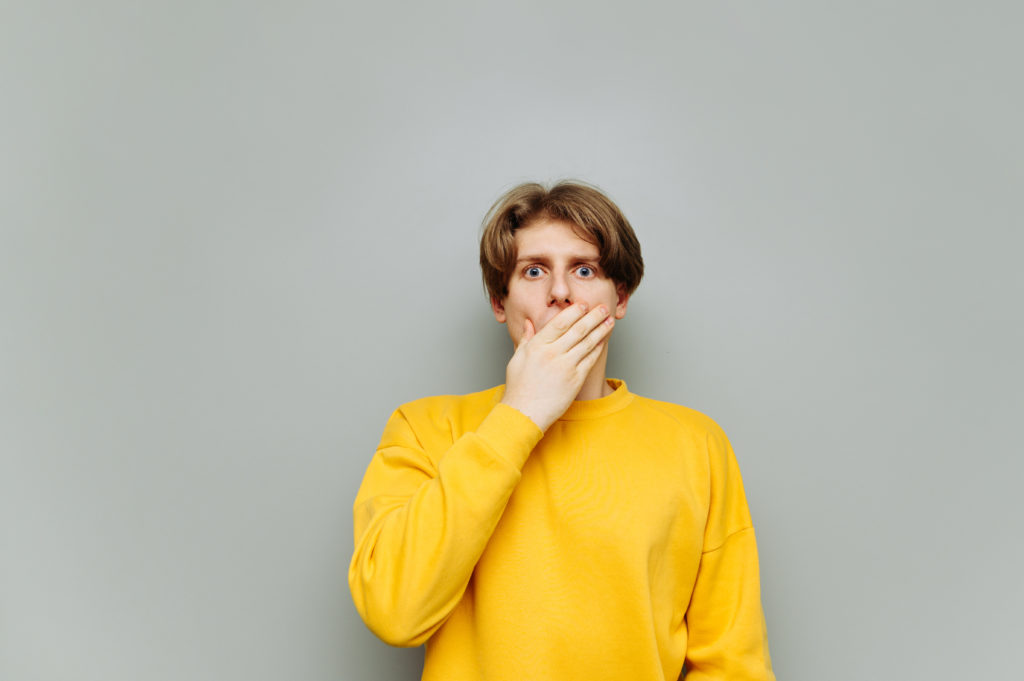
x,y
236,235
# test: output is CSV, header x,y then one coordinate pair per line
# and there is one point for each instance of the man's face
x,y
554,269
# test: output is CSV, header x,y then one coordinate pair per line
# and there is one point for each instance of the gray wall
x,y
237,235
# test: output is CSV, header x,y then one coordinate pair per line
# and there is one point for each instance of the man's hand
x,y
548,368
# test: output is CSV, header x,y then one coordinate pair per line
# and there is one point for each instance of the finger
x,y
582,328
588,362
562,322
597,335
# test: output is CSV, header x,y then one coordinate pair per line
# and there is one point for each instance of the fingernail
x,y
609,321
604,310
583,306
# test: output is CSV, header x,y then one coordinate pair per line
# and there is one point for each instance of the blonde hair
x,y
593,216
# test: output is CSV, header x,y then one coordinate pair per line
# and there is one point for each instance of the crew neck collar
x,y
602,406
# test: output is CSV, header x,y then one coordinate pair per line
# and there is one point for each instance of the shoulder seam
x,y
657,405
726,540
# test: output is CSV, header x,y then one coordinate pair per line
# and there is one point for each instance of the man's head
x,y
544,249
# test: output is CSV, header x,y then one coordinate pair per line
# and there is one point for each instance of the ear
x,y
498,309
620,307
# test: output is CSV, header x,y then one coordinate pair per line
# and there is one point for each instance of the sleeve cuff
x,y
510,434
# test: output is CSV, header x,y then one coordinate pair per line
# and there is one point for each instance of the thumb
x,y
528,333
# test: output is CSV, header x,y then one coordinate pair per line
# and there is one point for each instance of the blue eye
x,y
585,271
533,272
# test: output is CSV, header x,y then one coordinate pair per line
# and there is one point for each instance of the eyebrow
x,y
546,259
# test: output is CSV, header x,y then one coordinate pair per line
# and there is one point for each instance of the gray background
x,y
236,235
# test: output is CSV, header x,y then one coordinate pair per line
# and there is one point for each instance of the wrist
x,y
541,418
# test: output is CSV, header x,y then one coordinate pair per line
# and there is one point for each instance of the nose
x,y
560,295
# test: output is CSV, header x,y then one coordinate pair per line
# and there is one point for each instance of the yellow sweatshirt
x,y
617,546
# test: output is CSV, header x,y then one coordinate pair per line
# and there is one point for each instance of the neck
x,y
595,384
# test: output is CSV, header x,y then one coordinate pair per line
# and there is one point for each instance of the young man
x,y
559,526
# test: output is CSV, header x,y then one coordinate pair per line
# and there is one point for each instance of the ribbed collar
x,y
591,409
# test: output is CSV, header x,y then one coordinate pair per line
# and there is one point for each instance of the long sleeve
x,y
425,512
726,630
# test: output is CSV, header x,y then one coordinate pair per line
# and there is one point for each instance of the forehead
x,y
553,237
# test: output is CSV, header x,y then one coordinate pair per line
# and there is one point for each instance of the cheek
x,y
601,296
